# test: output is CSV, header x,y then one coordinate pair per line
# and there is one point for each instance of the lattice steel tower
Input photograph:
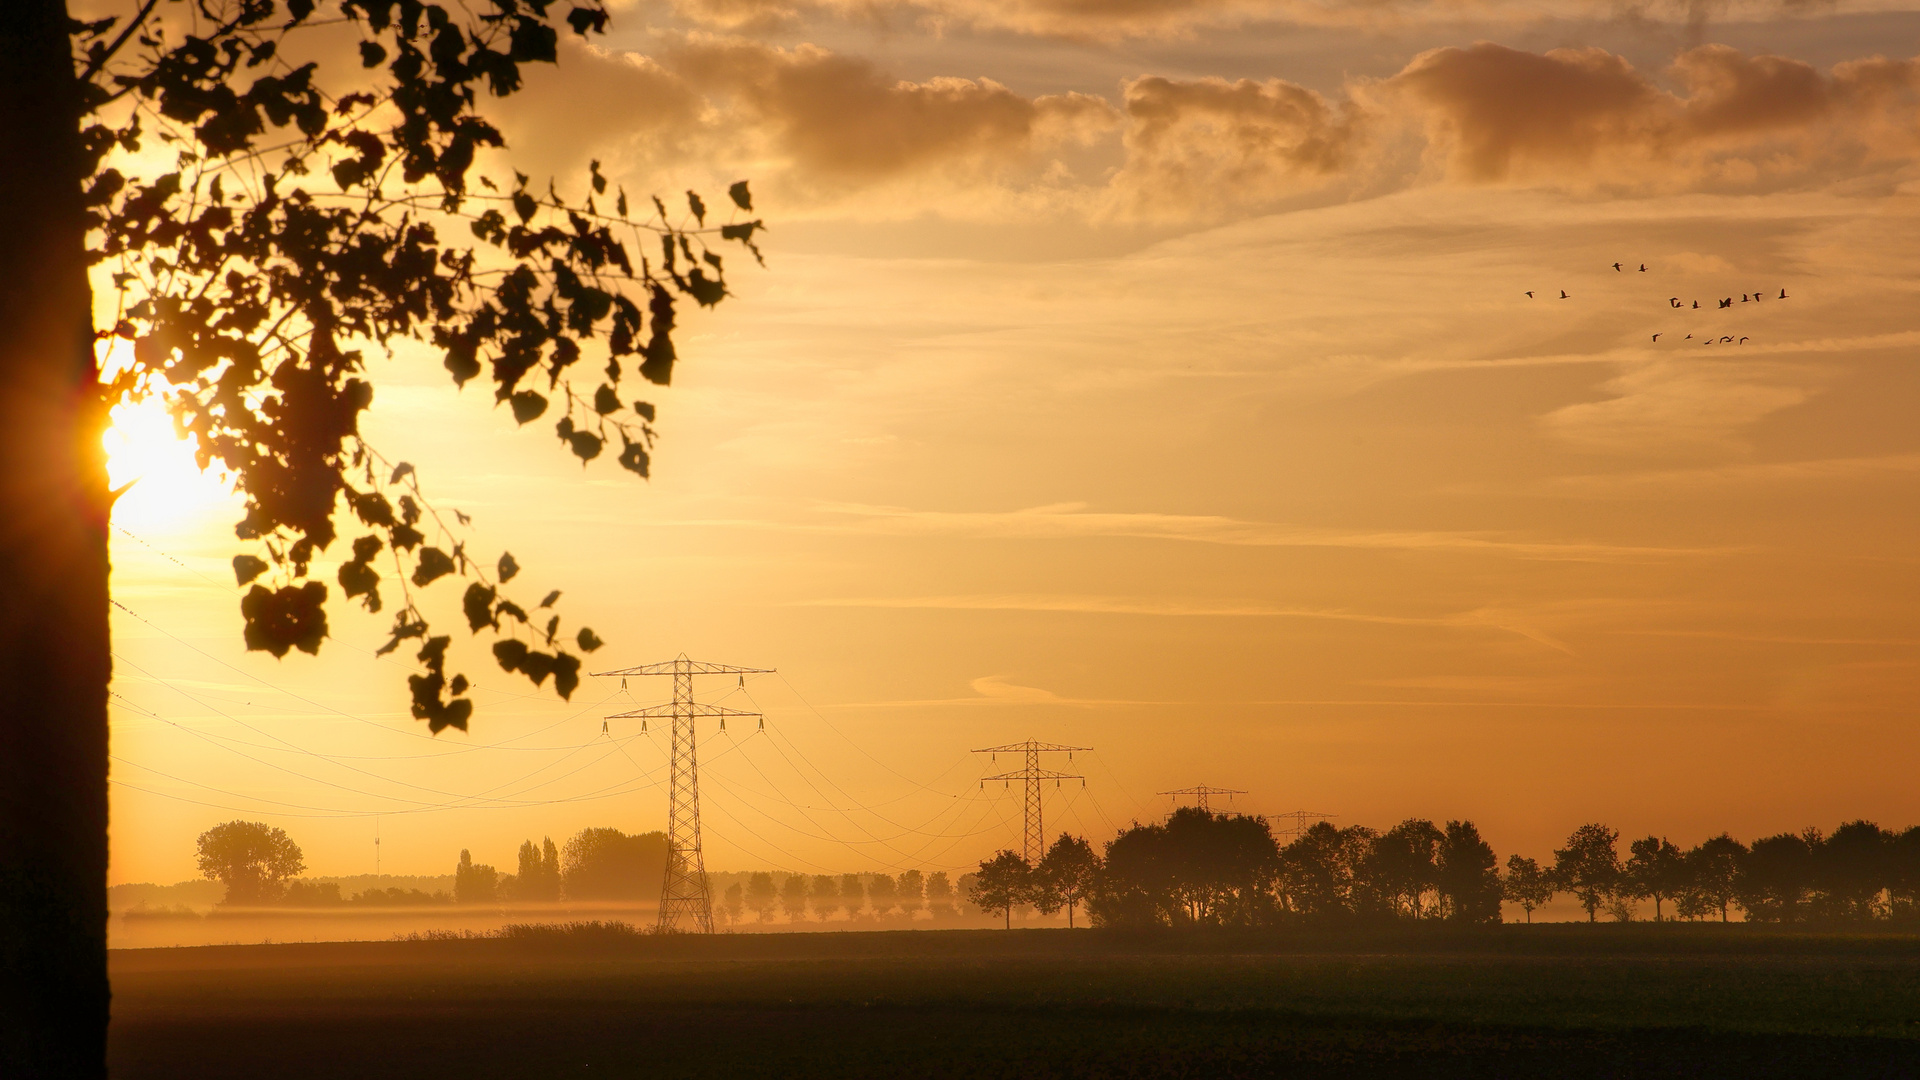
x,y
684,896
1202,794
1034,844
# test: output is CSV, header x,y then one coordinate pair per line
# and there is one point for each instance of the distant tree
x,y
1402,866
963,894
882,894
475,883
312,894
1903,876
910,891
761,895
539,876
253,860
1527,884
733,904
825,894
1066,874
607,864
1589,866
1196,868
1776,877
1851,869
1656,870
793,897
939,895
1713,875
1003,883
1320,871
853,895
1467,875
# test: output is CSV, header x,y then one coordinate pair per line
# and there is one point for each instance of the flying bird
x,y
1616,268
1656,337
1529,294
1643,268
1728,340
1783,294
1696,305
1674,300
1728,302
1563,294
1743,341
1744,298
1689,337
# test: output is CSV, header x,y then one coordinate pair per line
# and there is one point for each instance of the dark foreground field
x,y
1575,1001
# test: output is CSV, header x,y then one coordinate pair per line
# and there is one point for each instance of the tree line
x,y
799,897
1199,868
257,862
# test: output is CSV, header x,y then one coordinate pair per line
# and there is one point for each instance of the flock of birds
x,y
1676,303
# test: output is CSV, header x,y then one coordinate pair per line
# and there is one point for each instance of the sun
x,y
169,491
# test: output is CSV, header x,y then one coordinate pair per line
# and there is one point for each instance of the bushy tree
x,y
853,894
539,876
825,894
1320,871
271,221
252,859
1852,868
1589,866
910,891
1776,877
793,897
607,864
1527,884
1066,874
939,895
1197,868
1402,866
733,903
1656,870
1712,876
1003,883
475,883
882,894
1466,875
762,894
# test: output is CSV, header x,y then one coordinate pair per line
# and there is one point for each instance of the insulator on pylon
x,y
643,727
623,684
743,681
603,727
763,723
723,725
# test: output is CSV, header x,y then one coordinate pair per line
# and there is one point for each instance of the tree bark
x,y
55,656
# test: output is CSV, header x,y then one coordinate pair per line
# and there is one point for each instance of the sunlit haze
x,y
1093,396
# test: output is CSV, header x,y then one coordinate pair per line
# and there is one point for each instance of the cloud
x,y
1668,404
1588,117
1206,143
1486,619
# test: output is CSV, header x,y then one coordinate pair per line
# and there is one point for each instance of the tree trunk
x,y
55,656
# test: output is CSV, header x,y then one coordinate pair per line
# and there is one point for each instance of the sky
x,y
1190,380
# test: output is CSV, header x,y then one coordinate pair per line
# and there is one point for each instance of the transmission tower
x,y
1202,793
1034,844
684,895
1299,819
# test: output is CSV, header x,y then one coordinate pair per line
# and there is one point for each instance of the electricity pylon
x,y
1202,793
1035,841
1299,819
683,890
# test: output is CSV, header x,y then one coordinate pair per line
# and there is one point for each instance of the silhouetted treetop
x,y
305,218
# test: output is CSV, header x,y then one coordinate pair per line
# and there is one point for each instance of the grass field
x,y
1576,1001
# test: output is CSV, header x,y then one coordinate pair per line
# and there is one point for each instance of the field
x,y
1575,1001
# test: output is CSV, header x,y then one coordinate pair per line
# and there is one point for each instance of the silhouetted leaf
x,y
527,405
372,53
434,564
508,568
291,617
605,400
588,640
551,598
586,445
566,675
644,408
247,567
478,606
699,208
510,654
741,197
399,471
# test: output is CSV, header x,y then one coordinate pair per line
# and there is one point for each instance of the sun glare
x,y
168,487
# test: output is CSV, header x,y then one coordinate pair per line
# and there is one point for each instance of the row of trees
x,y
823,896
257,862
1204,869
1858,873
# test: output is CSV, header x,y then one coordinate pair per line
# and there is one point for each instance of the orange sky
x,y
1161,378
